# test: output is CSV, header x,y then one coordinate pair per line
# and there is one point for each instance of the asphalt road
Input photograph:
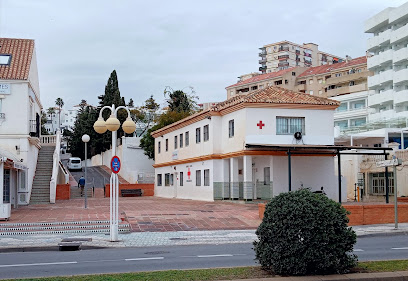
x,y
93,261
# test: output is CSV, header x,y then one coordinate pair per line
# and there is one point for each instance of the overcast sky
x,y
153,44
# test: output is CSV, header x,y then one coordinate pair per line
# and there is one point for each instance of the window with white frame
x,y
181,179
181,140
290,125
5,59
159,147
198,135
159,179
207,177
171,179
206,133
231,128
167,179
198,177
175,142
167,144
187,138
267,175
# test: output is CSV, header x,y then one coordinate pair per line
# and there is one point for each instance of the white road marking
x,y
358,250
145,259
36,264
214,256
403,248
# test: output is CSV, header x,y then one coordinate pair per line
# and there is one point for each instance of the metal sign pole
x,y
395,198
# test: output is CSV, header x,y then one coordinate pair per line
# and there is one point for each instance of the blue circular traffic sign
x,y
115,164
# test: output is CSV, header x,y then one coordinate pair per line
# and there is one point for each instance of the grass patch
x,y
171,275
384,266
250,272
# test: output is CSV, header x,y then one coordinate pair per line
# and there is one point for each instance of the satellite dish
x,y
298,135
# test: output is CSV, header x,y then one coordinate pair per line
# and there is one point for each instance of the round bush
x,y
305,233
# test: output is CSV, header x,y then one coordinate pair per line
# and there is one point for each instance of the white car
x,y
74,163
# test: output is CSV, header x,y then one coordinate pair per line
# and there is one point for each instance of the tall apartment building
x,y
344,81
389,62
285,54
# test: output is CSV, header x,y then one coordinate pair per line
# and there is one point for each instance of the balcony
x,y
378,79
380,98
378,40
386,114
307,62
34,129
347,90
297,52
281,48
380,59
301,87
399,34
400,55
400,76
401,97
351,113
283,57
263,60
283,64
262,54
349,77
262,68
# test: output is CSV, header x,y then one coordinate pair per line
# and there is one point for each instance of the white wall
x,y
318,126
189,190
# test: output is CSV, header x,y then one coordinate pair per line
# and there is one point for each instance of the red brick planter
x,y
147,188
63,192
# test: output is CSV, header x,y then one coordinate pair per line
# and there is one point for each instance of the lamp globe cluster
x,y
113,124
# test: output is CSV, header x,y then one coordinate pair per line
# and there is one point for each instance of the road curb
x,y
379,234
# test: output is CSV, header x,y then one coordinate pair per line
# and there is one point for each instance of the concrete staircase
x,y
76,192
40,193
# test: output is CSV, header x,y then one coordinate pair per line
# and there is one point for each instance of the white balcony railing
x,y
401,97
378,40
399,34
383,77
381,58
400,76
400,55
383,97
55,167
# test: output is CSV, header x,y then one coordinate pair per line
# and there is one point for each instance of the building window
x,y
167,144
159,147
5,59
198,135
159,180
378,183
187,138
207,177
198,178
293,73
290,125
311,92
181,179
167,179
175,142
310,81
267,175
181,140
171,179
231,128
206,133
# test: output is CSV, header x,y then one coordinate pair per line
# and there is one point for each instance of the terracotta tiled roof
x,y
274,95
270,95
262,77
21,51
328,68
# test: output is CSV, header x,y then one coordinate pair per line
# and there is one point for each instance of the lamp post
x,y
85,139
113,124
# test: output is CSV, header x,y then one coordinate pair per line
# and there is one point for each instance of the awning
x,y
11,160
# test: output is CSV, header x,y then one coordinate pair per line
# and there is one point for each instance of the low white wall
x,y
135,165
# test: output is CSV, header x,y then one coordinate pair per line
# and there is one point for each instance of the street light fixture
x,y
85,139
113,124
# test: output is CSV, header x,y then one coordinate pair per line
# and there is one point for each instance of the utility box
x,y
5,211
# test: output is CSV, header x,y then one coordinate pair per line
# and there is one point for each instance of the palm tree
x,y
60,103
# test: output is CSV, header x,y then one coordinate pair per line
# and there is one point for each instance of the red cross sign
x,y
188,173
260,125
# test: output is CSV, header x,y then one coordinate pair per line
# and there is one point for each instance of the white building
x,y
20,111
245,148
389,62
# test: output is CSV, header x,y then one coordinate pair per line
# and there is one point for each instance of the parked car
x,y
74,163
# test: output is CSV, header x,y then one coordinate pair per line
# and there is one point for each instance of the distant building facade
x,y
285,54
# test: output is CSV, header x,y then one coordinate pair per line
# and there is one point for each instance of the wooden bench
x,y
131,192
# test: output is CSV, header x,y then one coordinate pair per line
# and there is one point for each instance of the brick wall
x,y
147,188
367,214
63,192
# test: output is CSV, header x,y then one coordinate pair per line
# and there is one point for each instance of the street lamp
x,y
85,139
113,124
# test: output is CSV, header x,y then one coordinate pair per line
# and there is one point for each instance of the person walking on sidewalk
x,y
81,183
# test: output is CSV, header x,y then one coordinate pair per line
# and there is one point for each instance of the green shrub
x,y
305,233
